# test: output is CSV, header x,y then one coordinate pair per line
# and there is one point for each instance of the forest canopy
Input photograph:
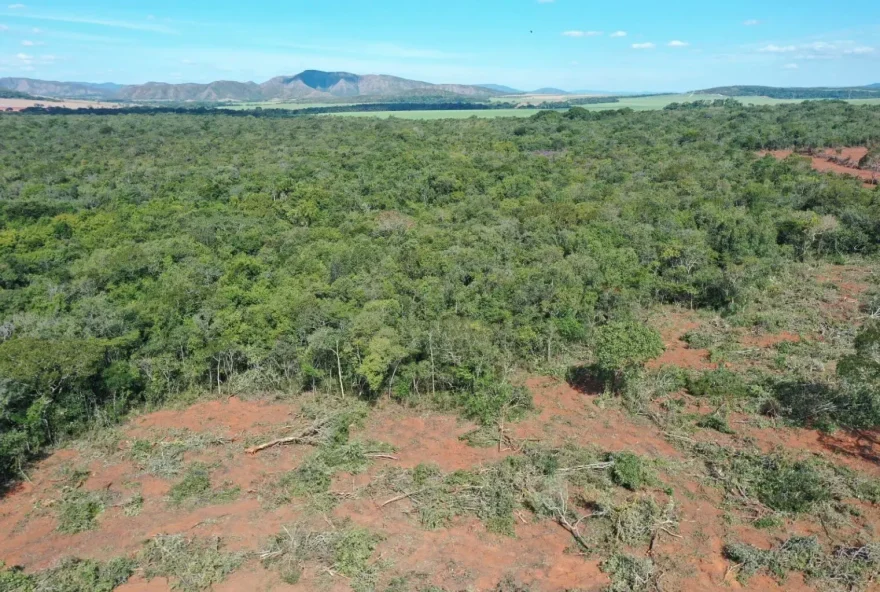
x,y
147,256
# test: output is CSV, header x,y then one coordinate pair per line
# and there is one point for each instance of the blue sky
x,y
574,44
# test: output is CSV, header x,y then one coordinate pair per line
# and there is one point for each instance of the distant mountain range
x,y
318,86
311,84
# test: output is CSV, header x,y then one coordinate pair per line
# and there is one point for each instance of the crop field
x,y
573,351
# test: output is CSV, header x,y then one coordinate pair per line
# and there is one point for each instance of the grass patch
x,y
844,568
70,575
78,511
133,506
196,490
192,565
344,550
72,477
165,458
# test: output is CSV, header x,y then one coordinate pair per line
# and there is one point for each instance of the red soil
x,y
825,162
463,556
430,438
769,340
673,326
566,414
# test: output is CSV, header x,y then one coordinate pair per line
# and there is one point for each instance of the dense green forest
x,y
144,257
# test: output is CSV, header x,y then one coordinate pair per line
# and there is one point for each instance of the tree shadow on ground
x,y
863,444
587,380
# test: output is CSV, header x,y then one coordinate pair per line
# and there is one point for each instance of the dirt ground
x,y
463,556
20,104
825,163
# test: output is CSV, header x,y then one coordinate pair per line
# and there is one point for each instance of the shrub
x,y
623,345
718,384
629,471
629,574
791,487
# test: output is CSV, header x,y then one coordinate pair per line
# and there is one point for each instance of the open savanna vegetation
x,y
579,351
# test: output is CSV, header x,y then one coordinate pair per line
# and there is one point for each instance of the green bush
x,y
720,384
630,471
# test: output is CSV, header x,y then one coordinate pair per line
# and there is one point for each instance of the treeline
x,y
285,113
148,257
575,102
859,92
728,103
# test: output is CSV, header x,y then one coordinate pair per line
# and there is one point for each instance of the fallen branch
x,y
573,530
385,456
308,436
401,497
601,466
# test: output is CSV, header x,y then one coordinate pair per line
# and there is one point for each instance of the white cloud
x,y
778,48
618,34
26,58
581,33
134,26
546,1
820,50
29,43
752,23
677,43
643,45
37,31
3,28
16,6
790,66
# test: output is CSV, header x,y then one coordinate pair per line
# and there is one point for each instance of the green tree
x,y
622,346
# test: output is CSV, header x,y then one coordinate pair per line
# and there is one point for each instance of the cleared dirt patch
x,y
20,104
830,161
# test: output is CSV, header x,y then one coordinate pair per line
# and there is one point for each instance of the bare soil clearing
x,y
20,104
844,162
463,555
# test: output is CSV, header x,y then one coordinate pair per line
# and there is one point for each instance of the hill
x,y
5,93
877,85
502,89
223,90
862,92
312,84
68,90
549,91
